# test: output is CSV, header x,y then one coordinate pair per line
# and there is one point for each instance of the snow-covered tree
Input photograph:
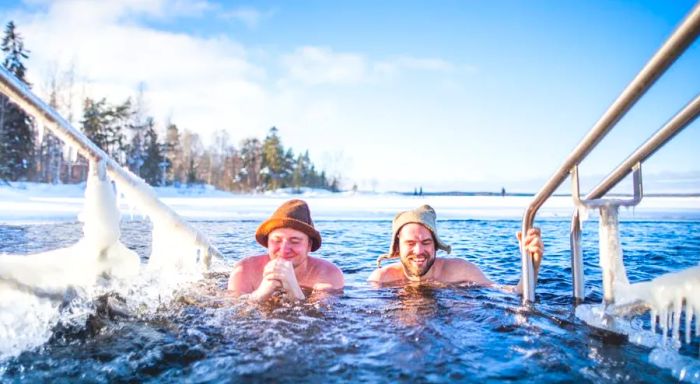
x,y
16,127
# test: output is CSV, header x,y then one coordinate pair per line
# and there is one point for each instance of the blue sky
x,y
392,95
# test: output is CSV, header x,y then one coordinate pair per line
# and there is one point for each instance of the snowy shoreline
x,y
36,203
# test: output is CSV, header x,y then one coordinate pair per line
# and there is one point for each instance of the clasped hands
x,y
278,275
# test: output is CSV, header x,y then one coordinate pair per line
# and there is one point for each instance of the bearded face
x,y
416,250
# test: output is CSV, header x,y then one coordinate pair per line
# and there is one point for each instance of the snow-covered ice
x,y
32,202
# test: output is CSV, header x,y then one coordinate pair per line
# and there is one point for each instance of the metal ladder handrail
x,y
675,45
668,131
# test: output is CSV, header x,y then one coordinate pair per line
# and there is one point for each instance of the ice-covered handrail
x,y
164,219
677,43
609,240
675,125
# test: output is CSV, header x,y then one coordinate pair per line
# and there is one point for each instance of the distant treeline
x,y
127,134
463,193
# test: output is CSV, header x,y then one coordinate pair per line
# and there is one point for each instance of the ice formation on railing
x,y
610,252
668,297
36,288
99,253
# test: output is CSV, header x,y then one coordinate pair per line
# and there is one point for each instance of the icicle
x,y
677,309
663,319
688,320
665,296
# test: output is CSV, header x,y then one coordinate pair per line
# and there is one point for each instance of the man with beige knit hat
x,y
415,243
289,236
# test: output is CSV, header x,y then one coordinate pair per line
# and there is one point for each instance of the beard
x,y
413,270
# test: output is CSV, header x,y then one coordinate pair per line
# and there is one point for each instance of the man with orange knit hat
x,y
289,236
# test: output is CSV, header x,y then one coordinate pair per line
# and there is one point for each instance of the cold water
x,y
367,334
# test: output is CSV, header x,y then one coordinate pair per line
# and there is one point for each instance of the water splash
x,y
59,287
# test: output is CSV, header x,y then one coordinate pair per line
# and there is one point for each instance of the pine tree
x,y
118,118
251,162
13,46
298,174
192,156
50,156
288,164
136,152
104,125
173,155
94,122
191,174
137,125
224,162
151,171
16,127
273,161
232,167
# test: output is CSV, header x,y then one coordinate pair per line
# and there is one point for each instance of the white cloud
x,y
203,83
251,17
397,65
316,65
114,10
319,65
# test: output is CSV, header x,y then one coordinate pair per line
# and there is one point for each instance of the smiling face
x,y
416,249
288,244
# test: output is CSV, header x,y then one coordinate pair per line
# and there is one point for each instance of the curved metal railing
x,y
675,45
680,121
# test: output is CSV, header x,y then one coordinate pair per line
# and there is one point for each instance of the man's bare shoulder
x,y
246,274
387,274
454,270
323,264
326,272
455,262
